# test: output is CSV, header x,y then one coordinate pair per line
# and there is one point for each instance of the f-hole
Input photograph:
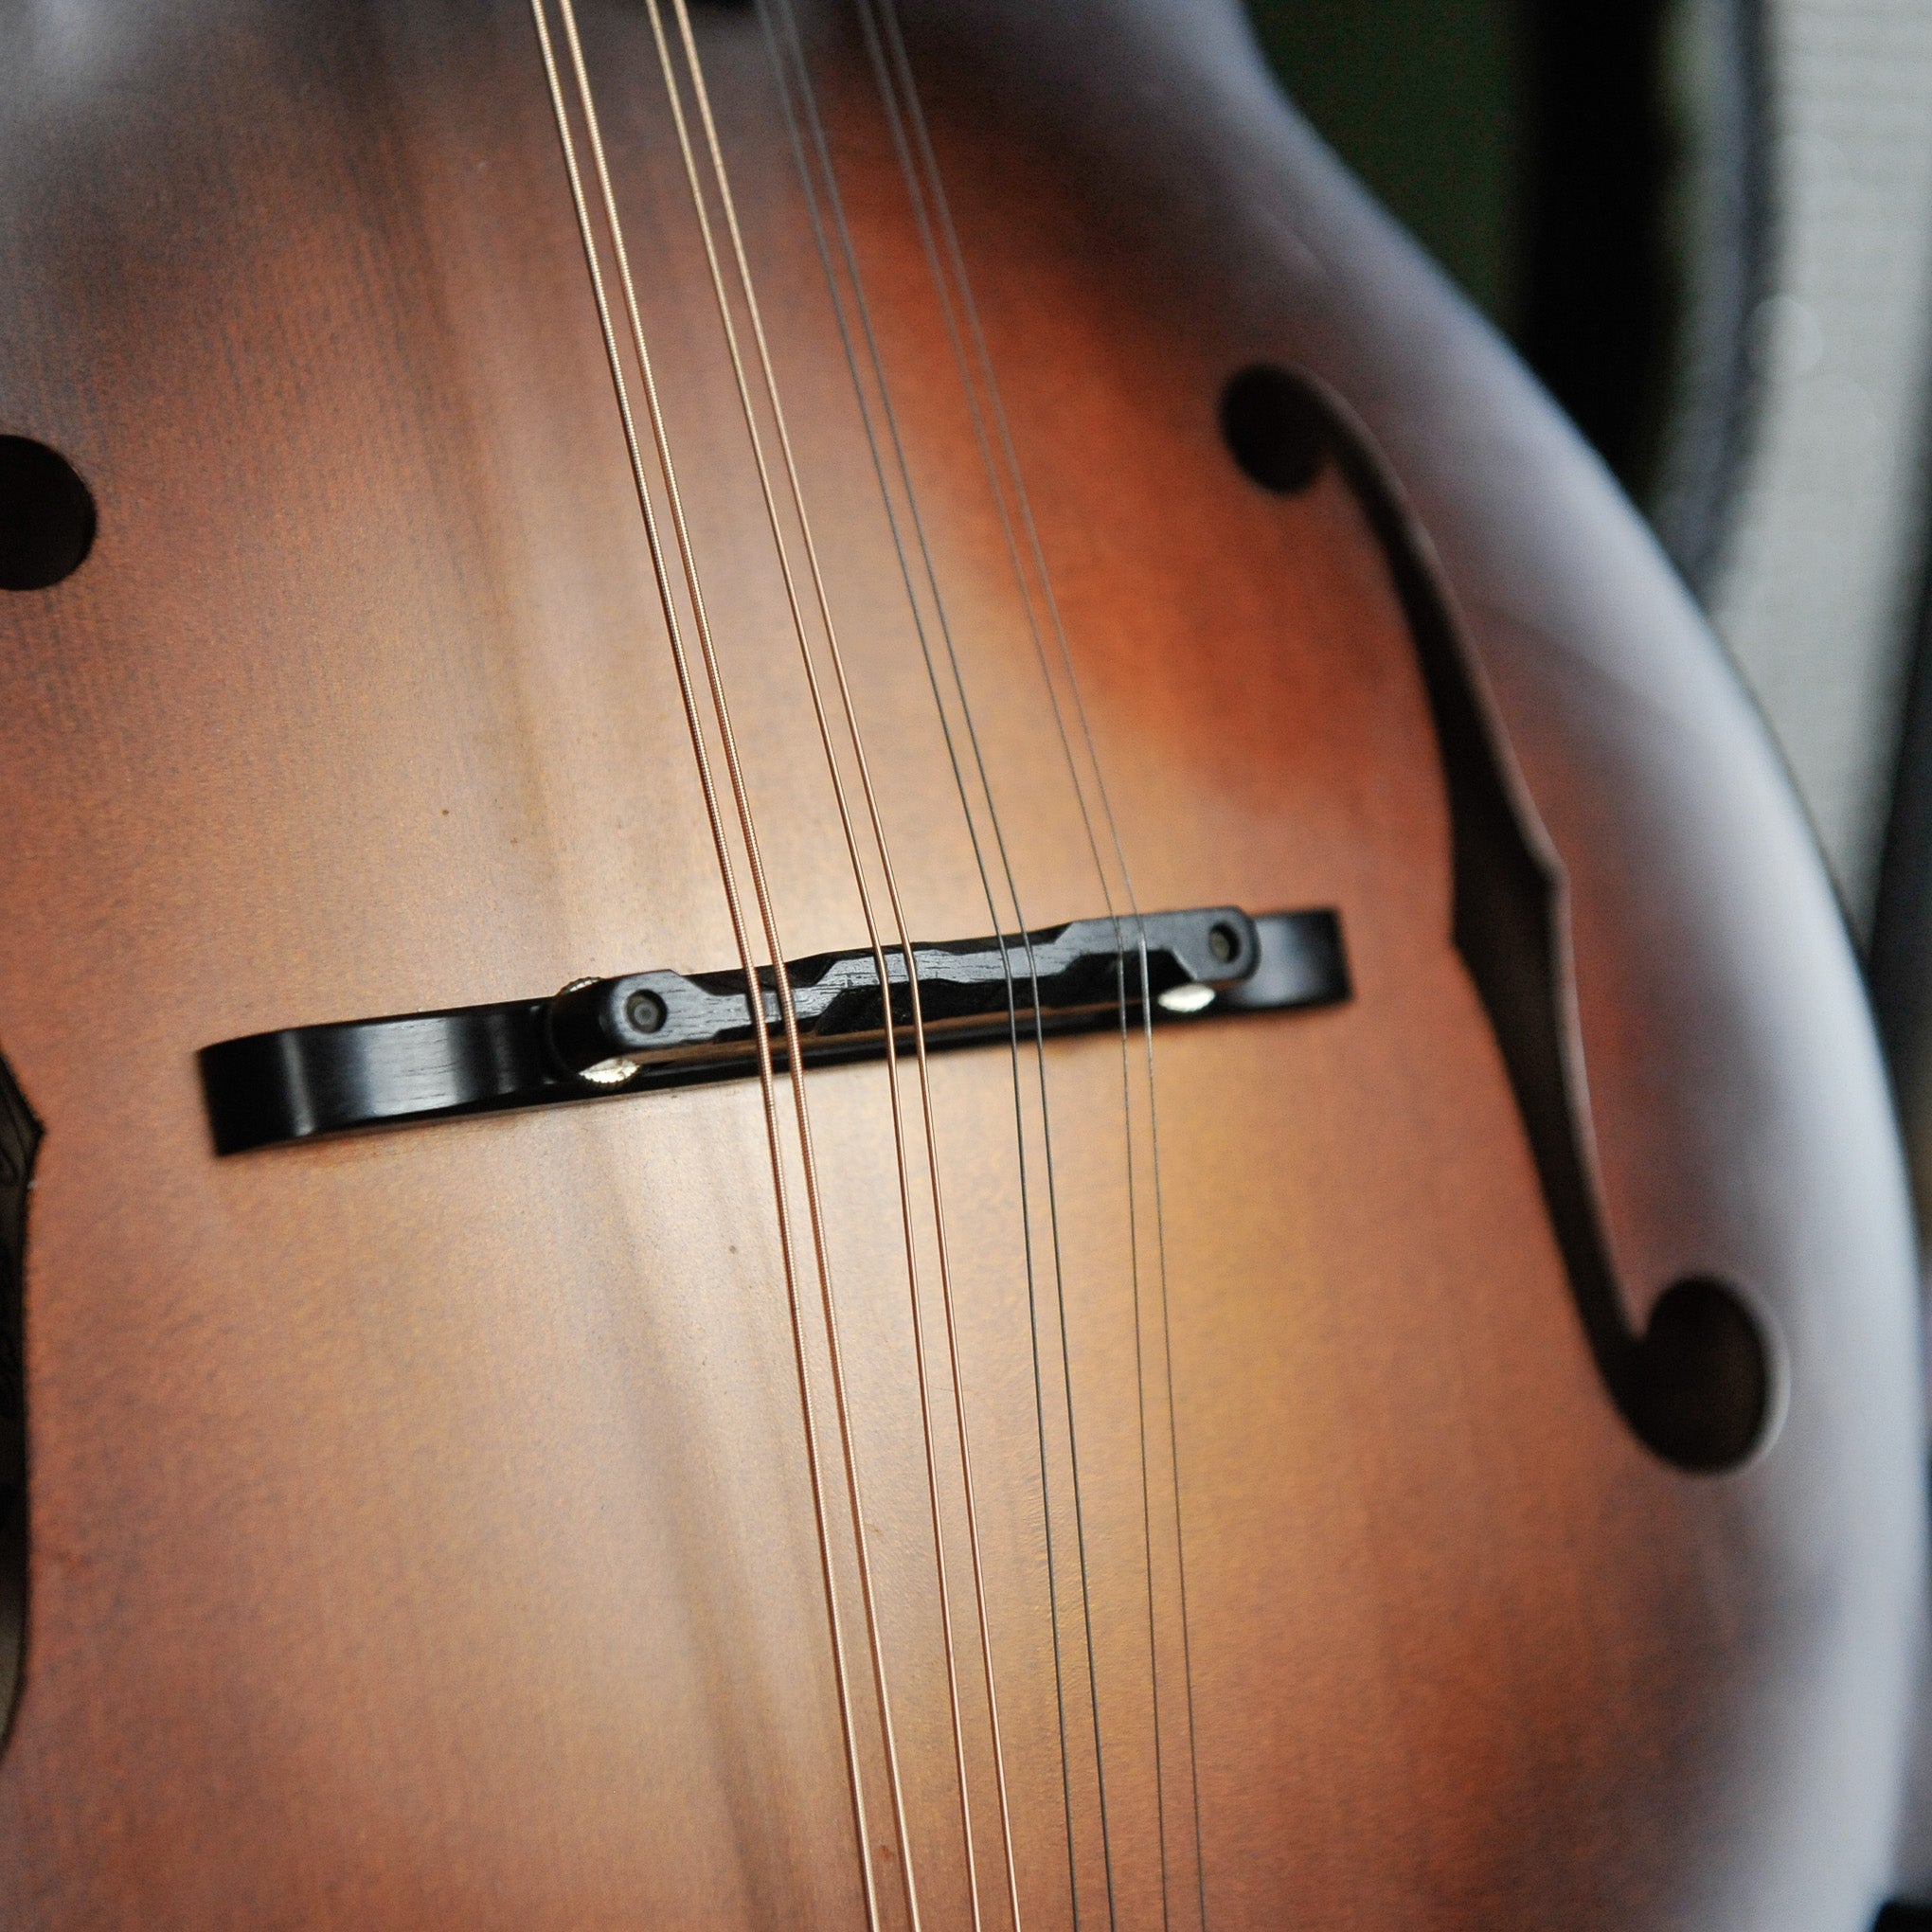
x,y
1696,1386
19,1139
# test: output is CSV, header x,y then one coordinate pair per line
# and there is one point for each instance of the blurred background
x,y
1706,224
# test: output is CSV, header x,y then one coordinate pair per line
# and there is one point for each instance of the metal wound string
x,y
822,602
916,195
807,94
915,114
951,749
768,916
892,83
1031,527
721,845
781,979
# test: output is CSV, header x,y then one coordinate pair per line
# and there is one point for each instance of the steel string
x,y
874,356
789,1016
813,209
721,174
888,14
754,992
916,195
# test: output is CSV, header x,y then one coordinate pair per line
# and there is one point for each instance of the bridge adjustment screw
x,y
645,1011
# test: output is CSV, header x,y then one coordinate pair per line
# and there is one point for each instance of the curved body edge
x,y
1714,1083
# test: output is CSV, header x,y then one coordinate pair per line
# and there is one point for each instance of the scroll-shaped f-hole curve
x,y
19,1139
1697,1385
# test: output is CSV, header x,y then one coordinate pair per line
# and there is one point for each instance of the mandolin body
x,y
419,1523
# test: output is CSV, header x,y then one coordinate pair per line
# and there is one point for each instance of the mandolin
x,y
898,1029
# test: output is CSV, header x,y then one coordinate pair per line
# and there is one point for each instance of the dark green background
x,y
1424,98
1591,172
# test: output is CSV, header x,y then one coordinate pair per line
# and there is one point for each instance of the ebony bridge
x,y
645,1031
